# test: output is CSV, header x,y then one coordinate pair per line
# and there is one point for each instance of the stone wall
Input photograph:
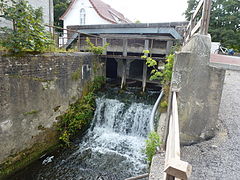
x,y
200,88
36,89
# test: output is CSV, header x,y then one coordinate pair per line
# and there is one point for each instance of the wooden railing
x,y
199,24
174,167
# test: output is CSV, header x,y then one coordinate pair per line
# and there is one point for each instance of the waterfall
x,y
113,146
116,116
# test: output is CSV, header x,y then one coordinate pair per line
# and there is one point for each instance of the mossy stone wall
x,y
34,91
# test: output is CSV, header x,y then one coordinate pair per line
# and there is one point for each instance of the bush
x,y
152,143
28,33
165,76
96,49
79,114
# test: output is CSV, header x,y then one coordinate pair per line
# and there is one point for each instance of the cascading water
x,y
112,147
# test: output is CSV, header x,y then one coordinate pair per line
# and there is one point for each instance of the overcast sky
x,y
150,10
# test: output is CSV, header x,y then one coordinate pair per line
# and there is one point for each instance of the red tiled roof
x,y
104,10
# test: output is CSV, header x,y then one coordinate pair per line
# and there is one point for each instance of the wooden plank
x,y
133,36
176,138
168,150
199,6
138,177
132,49
131,57
174,167
196,28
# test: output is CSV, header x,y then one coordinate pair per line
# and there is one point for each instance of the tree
x,y
224,21
28,32
60,7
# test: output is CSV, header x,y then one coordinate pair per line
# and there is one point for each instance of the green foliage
x,y
165,75
163,104
28,33
96,84
76,75
96,49
79,114
152,143
224,24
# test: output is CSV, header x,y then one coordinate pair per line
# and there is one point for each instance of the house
x,y
90,12
47,7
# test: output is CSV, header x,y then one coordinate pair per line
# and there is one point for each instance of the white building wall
x,y
47,7
92,17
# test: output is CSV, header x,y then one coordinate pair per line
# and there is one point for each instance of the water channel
x,y
113,146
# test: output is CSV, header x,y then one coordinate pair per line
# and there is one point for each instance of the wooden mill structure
x,y
126,45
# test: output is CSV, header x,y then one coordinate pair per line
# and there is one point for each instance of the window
x,y
82,16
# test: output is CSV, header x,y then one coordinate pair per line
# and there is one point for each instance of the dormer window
x,y
82,16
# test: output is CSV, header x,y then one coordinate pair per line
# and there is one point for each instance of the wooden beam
x,y
78,43
131,57
124,67
175,128
199,6
169,46
146,47
196,28
125,47
138,177
133,36
205,17
104,42
178,169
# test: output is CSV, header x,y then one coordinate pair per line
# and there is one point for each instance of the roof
x,y
167,28
104,10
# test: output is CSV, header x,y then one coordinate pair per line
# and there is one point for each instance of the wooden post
x,y
79,42
205,17
96,41
124,63
104,41
125,45
169,46
144,80
63,39
124,66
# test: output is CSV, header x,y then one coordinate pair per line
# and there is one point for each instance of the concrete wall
x,y
34,90
47,7
200,88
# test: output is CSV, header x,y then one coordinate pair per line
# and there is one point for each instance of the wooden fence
x,y
199,24
174,167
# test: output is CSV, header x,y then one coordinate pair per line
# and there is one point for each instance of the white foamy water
x,y
120,129
112,149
